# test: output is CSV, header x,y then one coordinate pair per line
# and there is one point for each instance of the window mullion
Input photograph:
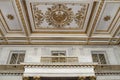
x,y
98,58
17,58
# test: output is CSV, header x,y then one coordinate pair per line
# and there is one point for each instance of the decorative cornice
x,y
106,73
11,74
57,65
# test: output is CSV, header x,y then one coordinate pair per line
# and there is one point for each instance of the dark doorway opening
x,y
59,78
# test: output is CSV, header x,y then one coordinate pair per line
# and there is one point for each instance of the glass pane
x,y
54,54
13,58
61,54
95,58
58,53
102,58
21,58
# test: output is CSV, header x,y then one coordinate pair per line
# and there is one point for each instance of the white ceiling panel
x,y
10,16
107,17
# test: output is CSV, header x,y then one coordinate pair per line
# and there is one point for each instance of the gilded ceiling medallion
x,y
107,18
59,15
10,16
38,16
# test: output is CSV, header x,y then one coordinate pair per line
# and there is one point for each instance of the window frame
x,y
100,52
16,52
58,56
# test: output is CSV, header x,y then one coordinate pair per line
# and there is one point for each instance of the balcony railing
x,y
107,69
60,59
11,68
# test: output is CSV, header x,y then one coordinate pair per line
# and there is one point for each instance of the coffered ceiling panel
x,y
108,17
8,16
59,22
58,16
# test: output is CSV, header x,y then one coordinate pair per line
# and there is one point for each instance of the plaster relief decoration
x,y
38,16
58,16
79,17
109,16
106,18
9,17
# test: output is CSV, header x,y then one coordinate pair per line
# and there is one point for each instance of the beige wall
x,y
10,77
83,52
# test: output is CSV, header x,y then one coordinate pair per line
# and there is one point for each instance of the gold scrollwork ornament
x,y
38,16
79,17
59,16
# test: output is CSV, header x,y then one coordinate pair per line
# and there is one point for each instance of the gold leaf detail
x,y
79,17
107,18
10,17
38,16
59,16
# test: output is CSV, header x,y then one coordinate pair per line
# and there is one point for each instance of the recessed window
x,y
58,56
99,57
16,57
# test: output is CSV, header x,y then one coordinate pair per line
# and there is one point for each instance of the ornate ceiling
x,y
59,21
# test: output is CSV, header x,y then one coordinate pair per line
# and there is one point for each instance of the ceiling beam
x,y
91,18
3,37
24,23
118,41
116,30
91,27
96,18
2,32
114,34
